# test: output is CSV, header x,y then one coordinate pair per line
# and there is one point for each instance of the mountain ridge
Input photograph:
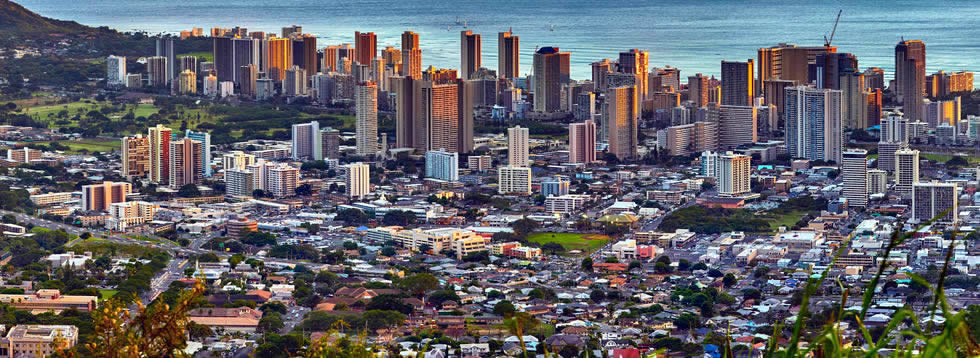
x,y
15,18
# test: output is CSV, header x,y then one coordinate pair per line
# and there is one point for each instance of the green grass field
x,y
107,294
571,241
208,56
44,112
943,158
787,220
90,145
155,241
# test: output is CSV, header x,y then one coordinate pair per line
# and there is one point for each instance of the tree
x,y
683,265
519,325
304,190
597,295
524,227
198,331
270,322
700,266
729,280
762,271
350,245
419,284
587,264
661,268
751,294
686,321
552,248
352,216
716,273
399,218
388,251
635,265
188,191
504,308
273,306
438,297
389,302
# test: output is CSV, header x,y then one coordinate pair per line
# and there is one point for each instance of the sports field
x,y
571,241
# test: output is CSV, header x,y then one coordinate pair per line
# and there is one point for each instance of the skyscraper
x,y
732,174
156,70
205,139
406,124
159,140
813,123
855,100
280,58
306,141
304,54
469,48
697,90
366,127
282,180
600,70
518,147
827,69
185,163
514,180
330,140
906,170
854,173
637,63
442,165
948,112
581,142
910,76
366,47
187,82
411,55
135,157
508,55
358,180
550,73
621,114
247,77
294,83
115,71
737,83
877,181
737,125
188,63
788,62
165,48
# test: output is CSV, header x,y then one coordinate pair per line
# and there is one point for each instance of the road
x,y
294,315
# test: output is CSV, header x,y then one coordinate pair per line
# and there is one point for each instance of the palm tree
x,y
519,323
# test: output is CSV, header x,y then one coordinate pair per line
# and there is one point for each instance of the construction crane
x,y
826,41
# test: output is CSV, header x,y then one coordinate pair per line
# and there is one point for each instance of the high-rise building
x,y
621,116
165,49
366,47
160,138
873,106
697,90
205,139
941,84
304,54
518,147
514,180
187,82
827,69
188,63
469,48
855,100
294,84
135,157
411,55
156,70
877,181
637,63
737,125
946,112
813,123
600,71
508,55
854,174
442,165
358,180
366,127
935,200
688,139
237,160
551,72
737,83
407,124
290,31
248,74
788,62
581,142
895,128
239,182
886,155
336,58
185,163
906,170
98,197
115,71
910,76
280,58
732,174
330,139
306,141
443,107
282,180
874,78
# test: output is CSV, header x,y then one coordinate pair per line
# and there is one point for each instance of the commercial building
x,y
939,113
697,90
737,83
205,139
366,126
236,160
239,182
51,198
330,141
38,340
514,180
98,197
187,82
411,55
365,47
737,125
156,70
294,82
688,139
280,58
564,204
442,165
910,76
115,71
877,181
557,186
581,142
731,172
306,141
508,55
165,49
48,300
518,143
854,173
935,200
159,140
480,163
854,100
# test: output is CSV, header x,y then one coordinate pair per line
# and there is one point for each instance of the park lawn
x,y
571,241
149,239
787,220
107,294
46,111
207,55
942,158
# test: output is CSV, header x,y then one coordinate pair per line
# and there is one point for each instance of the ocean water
x,y
692,35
